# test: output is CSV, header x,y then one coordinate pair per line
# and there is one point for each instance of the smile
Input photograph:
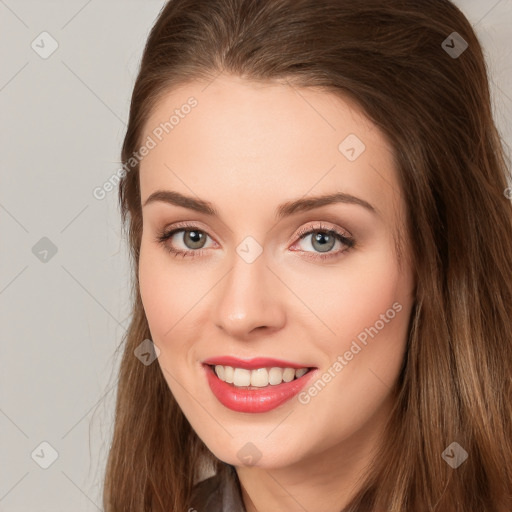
x,y
257,389
258,378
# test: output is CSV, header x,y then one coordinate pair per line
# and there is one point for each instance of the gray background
x,y
62,315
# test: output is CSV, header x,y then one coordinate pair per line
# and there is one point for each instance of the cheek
x,y
163,291
353,295
152,283
175,301
365,304
168,291
165,302
367,308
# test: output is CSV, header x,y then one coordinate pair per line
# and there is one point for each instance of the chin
x,y
251,451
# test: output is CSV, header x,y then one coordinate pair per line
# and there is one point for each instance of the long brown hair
x,y
432,99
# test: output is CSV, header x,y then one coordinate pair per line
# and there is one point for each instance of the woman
x,y
315,195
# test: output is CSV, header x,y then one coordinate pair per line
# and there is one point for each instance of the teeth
x,y
242,377
275,376
219,370
300,372
288,374
260,377
228,374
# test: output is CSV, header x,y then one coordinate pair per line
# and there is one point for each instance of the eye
x,y
191,238
322,239
193,241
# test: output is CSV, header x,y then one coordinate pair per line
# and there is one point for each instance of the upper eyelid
x,y
320,226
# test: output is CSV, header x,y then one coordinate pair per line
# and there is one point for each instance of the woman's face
x,y
267,274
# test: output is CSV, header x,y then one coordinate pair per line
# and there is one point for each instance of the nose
x,y
249,300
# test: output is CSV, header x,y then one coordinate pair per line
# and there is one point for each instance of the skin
x,y
246,148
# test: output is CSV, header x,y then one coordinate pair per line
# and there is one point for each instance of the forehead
x,y
264,142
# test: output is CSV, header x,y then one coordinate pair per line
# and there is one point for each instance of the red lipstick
x,y
251,399
252,364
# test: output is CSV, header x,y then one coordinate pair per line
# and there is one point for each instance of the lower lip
x,y
256,399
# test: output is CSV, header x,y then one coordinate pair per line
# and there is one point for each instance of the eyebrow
x,y
284,210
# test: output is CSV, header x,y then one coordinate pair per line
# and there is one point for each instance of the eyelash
x,y
349,242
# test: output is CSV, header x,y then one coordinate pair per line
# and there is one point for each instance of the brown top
x,y
219,493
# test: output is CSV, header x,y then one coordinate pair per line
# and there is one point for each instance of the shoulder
x,y
218,493
207,495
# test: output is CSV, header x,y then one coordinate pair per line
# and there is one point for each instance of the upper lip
x,y
252,364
